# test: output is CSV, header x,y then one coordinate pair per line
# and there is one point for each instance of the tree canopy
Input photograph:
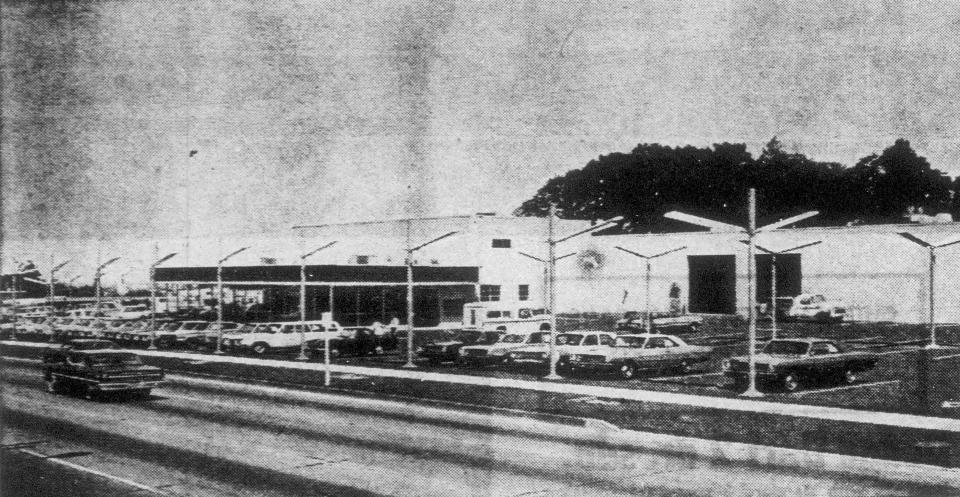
x,y
713,182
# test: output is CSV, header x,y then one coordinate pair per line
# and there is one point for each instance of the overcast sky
x,y
324,111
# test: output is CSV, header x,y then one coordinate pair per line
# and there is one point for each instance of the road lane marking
x,y
946,357
903,351
92,471
847,387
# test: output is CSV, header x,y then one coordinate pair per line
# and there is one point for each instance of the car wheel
x,y
260,348
791,383
849,377
683,367
628,371
694,327
142,394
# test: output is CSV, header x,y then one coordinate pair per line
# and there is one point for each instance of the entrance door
x,y
713,284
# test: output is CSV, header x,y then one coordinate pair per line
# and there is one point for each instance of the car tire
x,y
694,327
628,371
142,394
790,383
260,348
683,367
849,377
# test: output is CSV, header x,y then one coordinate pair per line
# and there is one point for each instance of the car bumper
x,y
482,360
119,387
591,366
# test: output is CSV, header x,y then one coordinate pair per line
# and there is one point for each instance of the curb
x,y
601,433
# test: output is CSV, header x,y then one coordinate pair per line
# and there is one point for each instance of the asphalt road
x,y
186,441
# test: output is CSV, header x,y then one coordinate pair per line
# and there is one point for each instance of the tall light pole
x,y
751,231
932,250
53,272
96,278
153,299
551,262
410,314
219,350
303,317
773,281
648,322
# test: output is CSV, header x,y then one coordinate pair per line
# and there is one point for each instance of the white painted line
x,y
944,357
847,387
21,360
636,395
671,378
92,471
903,351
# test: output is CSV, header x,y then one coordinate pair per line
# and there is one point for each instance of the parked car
x,y
663,322
816,307
505,316
630,354
496,351
792,363
449,350
566,343
96,371
170,336
263,338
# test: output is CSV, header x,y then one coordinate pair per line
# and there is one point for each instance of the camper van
x,y
517,317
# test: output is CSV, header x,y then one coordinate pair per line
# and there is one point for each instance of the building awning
x,y
360,274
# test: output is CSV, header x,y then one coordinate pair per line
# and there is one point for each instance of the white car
x,y
816,307
262,338
496,352
566,343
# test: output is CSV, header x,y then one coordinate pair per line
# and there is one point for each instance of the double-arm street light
x,y
410,314
551,262
751,231
773,281
153,299
219,349
96,280
932,249
648,322
53,272
303,316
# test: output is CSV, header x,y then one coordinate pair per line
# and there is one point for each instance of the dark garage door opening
x,y
789,276
713,284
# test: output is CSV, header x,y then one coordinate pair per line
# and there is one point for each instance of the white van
x,y
517,317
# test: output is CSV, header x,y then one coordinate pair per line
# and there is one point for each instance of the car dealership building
x,y
877,273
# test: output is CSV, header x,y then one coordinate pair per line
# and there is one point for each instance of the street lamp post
x,y
773,281
97,276
751,231
932,250
153,299
410,314
648,322
219,350
50,314
551,263
303,317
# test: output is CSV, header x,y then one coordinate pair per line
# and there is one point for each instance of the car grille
x,y
530,355
588,358
476,352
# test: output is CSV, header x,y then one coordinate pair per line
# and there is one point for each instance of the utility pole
x,y
773,281
409,263
219,350
551,270
932,251
648,321
153,296
53,272
97,277
303,317
751,231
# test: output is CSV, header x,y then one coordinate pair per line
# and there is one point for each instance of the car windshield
x,y
196,326
513,339
786,347
113,359
539,338
569,339
488,338
631,315
170,326
632,342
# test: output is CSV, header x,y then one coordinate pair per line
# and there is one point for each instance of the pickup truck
x,y
792,363
630,354
97,371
